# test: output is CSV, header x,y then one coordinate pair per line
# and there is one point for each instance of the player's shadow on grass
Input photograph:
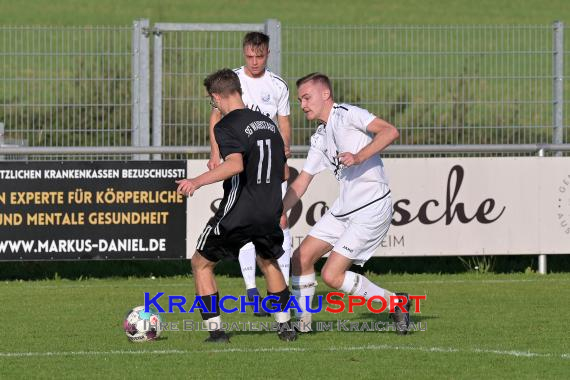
x,y
317,318
364,317
324,318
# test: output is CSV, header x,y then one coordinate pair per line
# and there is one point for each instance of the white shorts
x,y
356,235
250,246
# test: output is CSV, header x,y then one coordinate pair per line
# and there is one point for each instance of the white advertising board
x,y
442,206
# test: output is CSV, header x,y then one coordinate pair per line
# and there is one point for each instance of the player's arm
x,y
232,165
285,130
384,135
215,117
296,190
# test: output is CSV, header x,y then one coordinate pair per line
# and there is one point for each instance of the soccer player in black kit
x,y
252,171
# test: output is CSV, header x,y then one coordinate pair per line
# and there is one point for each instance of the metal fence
x,y
441,84
66,86
183,55
141,85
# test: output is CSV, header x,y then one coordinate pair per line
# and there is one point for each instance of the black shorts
x,y
228,243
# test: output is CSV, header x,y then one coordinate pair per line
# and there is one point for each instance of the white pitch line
x,y
498,281
372,347
146,352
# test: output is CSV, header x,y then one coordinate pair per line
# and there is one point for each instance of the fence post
x,y
140,88
273,30
157,91
557,88
1,139
136,80
541,258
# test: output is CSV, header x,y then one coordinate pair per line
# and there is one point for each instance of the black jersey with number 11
x,y
252,200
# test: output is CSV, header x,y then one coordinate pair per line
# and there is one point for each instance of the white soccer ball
x,y
141,326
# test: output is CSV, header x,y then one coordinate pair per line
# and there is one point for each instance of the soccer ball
x,y
141,326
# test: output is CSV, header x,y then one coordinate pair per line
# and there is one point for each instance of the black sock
x,y
212,306
211,302
283,298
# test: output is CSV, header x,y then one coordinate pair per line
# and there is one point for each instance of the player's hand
x,y
286,172
187,187
214,162
283,222
348,159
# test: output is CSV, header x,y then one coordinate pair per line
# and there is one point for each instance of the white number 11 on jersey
x,y
261,157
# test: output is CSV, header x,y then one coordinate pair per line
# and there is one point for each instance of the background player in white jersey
x,y
253,170
348,142
265,92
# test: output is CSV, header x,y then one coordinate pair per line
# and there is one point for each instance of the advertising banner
x,y
91,210
442,206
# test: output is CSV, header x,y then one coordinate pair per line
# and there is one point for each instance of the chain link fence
x,y
68,87
440,84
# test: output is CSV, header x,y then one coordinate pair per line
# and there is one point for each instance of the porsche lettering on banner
x,y
443,206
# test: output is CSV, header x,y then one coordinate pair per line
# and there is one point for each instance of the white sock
x,y
214,323
247,264
282,316
358,285
285,260
303,288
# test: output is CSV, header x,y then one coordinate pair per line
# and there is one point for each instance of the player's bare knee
x,y
198,262
195,266
332,278
307,261
295,262
301,261
262,264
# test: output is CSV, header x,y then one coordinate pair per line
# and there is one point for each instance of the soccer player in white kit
x,y
265,92
348,142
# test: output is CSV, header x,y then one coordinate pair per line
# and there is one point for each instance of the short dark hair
x,y
256,39
316,77
223,82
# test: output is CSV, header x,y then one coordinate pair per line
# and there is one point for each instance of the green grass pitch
x,y
293,12
486,326
492,326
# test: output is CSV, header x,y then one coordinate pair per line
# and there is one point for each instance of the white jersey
x,y
267,94
345,131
